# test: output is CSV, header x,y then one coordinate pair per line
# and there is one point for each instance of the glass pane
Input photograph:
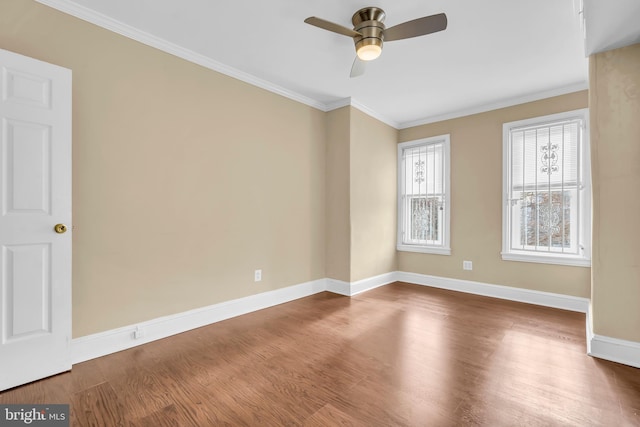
x,y
424,218
545,219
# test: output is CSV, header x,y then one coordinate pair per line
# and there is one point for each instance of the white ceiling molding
x,y
130,32
497,105
338,104
368,111
116,26
374,114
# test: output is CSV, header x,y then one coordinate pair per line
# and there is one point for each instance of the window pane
x,y
545,219
425,222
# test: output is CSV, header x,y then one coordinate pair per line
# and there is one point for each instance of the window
x,y
547,193
423,196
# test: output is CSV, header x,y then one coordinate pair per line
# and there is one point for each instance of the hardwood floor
x,y
398,355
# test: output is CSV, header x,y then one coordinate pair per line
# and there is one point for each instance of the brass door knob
x,y
60,228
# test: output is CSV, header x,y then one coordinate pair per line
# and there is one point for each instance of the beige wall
x,y
373,196
184,180
476,207
615,138
338,204
361,196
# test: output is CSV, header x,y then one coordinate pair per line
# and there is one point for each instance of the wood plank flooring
x,y
399,355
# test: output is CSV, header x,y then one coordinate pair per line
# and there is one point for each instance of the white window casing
x,y
547,190
424,206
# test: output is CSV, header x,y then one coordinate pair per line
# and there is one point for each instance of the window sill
x,y
547,259
424,249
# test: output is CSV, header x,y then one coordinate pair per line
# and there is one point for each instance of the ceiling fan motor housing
x,y
369,22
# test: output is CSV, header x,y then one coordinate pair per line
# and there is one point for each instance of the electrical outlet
x,y
257,276
467,265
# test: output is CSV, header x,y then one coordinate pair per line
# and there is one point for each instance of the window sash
x,y
549,223
423,221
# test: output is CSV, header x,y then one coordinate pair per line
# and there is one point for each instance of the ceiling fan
x,y
369,32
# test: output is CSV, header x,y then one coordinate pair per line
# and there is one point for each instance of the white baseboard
x,y
612,349
103,343
339,287
353,288
615,350
589,329
547,299
373,282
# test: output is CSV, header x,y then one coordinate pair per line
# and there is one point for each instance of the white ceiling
x,y
494,52
610,24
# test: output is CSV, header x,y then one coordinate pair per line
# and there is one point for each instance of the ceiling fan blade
x,y
330,26
417,27
358,67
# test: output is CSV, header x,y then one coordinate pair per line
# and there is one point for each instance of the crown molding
x,y
334,105
93,17
504,103
374,114
363,108
118,27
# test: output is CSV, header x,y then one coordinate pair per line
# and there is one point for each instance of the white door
x,y
35,195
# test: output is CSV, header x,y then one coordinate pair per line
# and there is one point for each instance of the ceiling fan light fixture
x,y
369,52
369,23
369,32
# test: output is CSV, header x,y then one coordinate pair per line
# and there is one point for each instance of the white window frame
x,y
443,248
583,217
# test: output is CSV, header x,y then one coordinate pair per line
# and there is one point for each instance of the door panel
x,y
26,88
28,281
35,195
27,146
